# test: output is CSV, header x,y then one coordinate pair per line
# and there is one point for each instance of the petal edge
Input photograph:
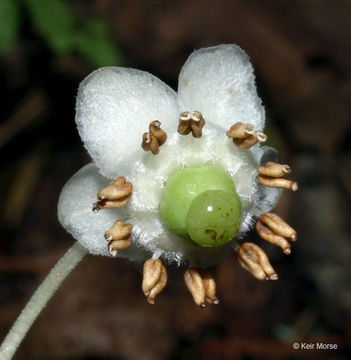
x,y
76,215
219,82
114,108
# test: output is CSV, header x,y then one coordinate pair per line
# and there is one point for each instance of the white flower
x,y
114,109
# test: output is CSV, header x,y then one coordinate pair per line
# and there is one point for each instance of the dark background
x,y
301,51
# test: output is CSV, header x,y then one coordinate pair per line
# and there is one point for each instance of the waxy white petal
x,y
76,215
114,109
219,82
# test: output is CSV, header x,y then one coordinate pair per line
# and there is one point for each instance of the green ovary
x,y
201,205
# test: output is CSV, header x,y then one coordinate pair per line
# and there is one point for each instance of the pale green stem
x,y
40,298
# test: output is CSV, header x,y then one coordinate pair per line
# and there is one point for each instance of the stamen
x,y
278,225
246,143
253,259
150,143
114,196
280,182
184,123
268,235
244,136
195,285
210,287
154,279
119,237
201,285
115,245
157,132
274,169
195,115
271,175
191,122
155,138
240,131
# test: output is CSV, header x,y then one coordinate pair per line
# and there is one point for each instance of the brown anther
x,y
191,122
157,132
210,287
246,143
114,196
268,235
253,259
201,285
154,279
155,138
278,225
244,136
119,237
240,131
150,143
184,123
274,169
278,182
271,175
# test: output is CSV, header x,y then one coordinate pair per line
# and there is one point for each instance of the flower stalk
x,y
40,298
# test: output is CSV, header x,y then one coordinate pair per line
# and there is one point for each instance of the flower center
x,y
201,205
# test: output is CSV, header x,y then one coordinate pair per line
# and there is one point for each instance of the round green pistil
x,y
201,204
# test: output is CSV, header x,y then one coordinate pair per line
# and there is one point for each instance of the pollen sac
x,y
155,138
240,131
154,279
267,234
278,225
273,169
271,175
191,122
201,285
253,259
281,183
119,237
244,136
114,196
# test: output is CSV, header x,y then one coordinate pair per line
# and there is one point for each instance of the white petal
x,y
114,108
76,215
219,82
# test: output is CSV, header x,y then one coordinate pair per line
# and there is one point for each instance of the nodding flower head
x,y
177,177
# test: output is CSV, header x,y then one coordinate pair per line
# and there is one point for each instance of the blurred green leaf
x,y
9,24
95,44
54,20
